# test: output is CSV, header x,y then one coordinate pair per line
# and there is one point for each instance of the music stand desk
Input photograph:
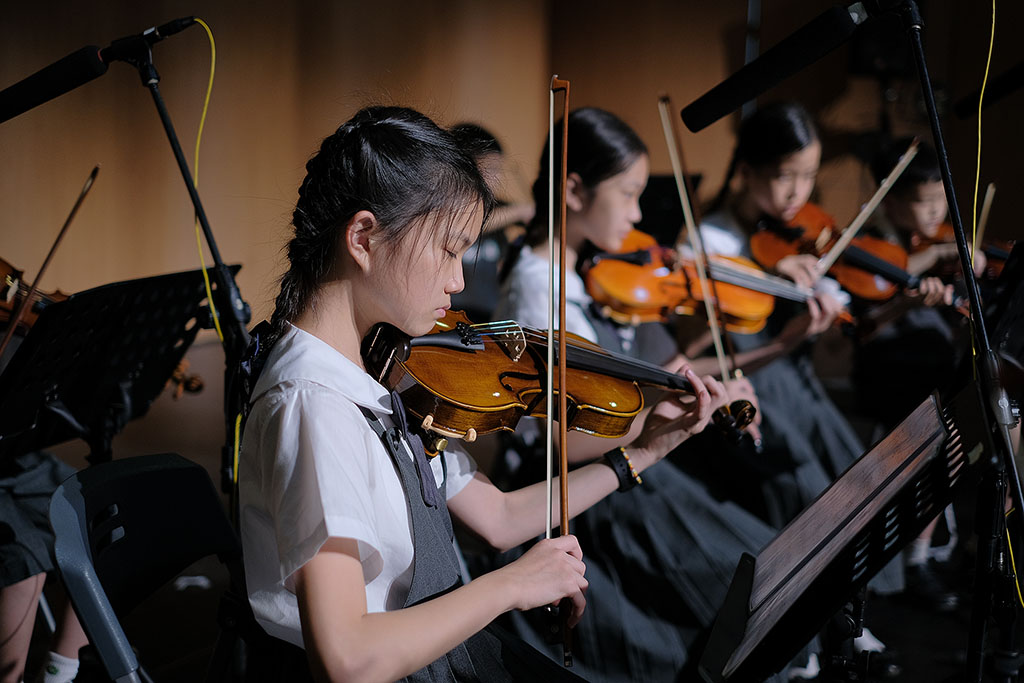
x,y
96,360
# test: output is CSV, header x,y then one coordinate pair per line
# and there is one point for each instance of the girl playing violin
x,y
915,352
771,175
346,535
775,165
660,556
914,212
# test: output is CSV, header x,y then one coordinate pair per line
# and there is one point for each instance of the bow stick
x,y
675,153
27,301
986,206
558,84
833,254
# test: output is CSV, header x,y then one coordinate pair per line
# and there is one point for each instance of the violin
x,y
629,291
996,252
501,378
13,289
869,268
646,282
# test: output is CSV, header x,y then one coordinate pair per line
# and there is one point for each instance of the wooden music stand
x,y
779,600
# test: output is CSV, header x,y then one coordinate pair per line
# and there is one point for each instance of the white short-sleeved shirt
x,y
312,468
524,296
722,234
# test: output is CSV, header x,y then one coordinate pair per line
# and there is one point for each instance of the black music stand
x,y
98,359
779,600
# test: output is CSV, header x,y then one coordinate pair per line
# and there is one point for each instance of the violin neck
x,y
624,367
855,256
758,281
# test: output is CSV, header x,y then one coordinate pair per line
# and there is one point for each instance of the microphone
x,y
827,31
78,68
127,49
64,75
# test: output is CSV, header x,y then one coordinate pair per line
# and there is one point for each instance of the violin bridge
x,y
11,288
510,336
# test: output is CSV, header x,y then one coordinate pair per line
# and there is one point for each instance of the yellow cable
x,y
1013,565
981,99
977,167
195,176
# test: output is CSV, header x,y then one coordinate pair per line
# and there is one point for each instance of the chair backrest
x,y
126,527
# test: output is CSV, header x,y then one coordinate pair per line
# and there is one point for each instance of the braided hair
x,y
391,161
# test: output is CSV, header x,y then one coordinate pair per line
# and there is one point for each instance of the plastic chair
x,y
125,528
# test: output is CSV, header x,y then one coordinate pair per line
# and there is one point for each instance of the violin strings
x,y
599,359
23,289
767,284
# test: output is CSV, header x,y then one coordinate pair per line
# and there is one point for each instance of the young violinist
x,y
346,533
806,441
913,213
913,346
660,557
770,179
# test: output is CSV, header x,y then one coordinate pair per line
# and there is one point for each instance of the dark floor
x,y
175,631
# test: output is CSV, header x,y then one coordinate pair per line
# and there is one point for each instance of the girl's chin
x,y
789,214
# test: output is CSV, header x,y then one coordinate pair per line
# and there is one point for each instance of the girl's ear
x,y
743,172
358,238
575,192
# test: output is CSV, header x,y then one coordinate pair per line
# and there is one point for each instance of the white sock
x,y
917,554
868,641
58,669
810,671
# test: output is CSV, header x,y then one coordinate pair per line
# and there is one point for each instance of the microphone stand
x,y
233,310
994,588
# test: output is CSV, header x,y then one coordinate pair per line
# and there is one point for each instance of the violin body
x,y
996,252
13,289
813,231
464,380
657,283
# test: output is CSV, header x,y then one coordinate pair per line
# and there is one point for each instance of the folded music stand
x,y
98,359
779,600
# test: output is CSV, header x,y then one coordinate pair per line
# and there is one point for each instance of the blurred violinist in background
x,y
770,179
503,226
911,345
805,437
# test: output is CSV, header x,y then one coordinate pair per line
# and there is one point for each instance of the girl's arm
x,y
345,643
821,312
505,520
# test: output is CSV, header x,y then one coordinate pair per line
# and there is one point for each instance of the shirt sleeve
x,y
323,480
461,468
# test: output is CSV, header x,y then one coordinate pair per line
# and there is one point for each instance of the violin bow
x,y
700,256
557,85
986,206
26,302
833,254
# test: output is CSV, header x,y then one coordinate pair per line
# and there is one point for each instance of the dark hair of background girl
x,y
391,161
923,168
772,132
601,146
475,139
